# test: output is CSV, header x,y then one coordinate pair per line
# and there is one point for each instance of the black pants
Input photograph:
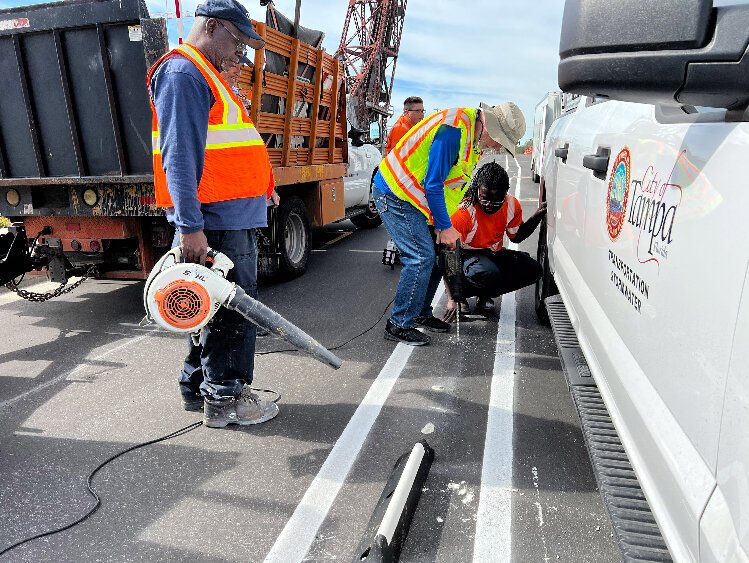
x,y
490,274
224,360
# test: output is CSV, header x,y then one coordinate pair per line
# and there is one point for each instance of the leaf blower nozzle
x,y
183,297
271,321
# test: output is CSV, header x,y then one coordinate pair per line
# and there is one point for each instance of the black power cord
x,y
338,346
180,432
89,485
276,393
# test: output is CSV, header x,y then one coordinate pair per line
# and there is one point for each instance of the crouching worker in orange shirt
x,y
486,213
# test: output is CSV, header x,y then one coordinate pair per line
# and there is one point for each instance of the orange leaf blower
x,y
183,297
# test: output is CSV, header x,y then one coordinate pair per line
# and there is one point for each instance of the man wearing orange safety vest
x,y
213,175
413,112
418,185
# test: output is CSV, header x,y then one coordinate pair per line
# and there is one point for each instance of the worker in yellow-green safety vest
x,y
418,186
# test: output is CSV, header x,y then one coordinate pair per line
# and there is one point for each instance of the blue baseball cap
x,y
231,11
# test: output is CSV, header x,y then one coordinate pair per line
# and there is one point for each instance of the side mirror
x,y
665,51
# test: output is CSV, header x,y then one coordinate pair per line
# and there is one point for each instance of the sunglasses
x,y
416,110
241,48
492,204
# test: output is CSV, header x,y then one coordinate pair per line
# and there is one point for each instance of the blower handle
x,y
219,262
215,261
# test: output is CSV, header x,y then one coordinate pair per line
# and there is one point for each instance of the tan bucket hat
x,y
505,124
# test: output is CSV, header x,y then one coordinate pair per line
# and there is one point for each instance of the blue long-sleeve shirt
x,y
183,100
443,154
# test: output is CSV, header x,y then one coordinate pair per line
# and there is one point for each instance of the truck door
x,y
724,526
574,138
663,271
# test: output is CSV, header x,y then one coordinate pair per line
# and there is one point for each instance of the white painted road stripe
x,y
296,538
493,540
300,531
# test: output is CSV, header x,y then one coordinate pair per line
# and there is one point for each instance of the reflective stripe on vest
x,y
236,160
404,168
218,139
474,227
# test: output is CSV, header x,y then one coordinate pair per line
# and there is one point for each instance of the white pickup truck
x,y
647,245
363,161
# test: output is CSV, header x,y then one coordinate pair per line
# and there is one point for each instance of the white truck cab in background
x,y
547,110
363,161
647,243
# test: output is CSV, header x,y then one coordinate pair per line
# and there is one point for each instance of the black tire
x,y
295,235
545,286
535,176
370,219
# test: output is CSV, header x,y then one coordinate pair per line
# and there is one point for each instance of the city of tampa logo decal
x,y
616,201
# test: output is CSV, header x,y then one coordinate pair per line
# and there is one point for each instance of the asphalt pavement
x,y
80,381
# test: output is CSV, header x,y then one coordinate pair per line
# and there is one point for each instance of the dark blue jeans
x,y
225,358
491,274
420,275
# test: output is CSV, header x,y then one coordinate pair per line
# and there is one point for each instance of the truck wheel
x,y
545,286
295,234
536,177
370,218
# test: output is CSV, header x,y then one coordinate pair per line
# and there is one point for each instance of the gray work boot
x,y
192,403
244,410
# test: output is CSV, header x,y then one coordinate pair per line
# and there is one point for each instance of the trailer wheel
x,y
370,218
295,234
545,286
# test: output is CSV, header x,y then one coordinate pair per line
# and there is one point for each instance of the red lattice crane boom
x,y
369,50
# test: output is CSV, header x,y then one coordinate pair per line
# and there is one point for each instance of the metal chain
x,y
42,297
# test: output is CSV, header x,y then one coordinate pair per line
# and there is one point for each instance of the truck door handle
x,y
598,163
562,153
